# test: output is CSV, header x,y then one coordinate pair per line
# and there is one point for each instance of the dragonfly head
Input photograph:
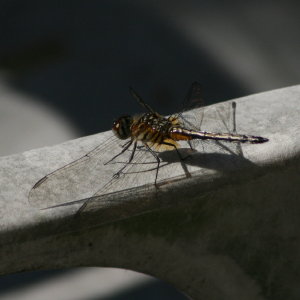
x,y
121,127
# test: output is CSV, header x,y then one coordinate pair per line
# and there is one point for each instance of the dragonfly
x,y
144,134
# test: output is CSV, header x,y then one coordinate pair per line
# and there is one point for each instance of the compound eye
x,y
116,126
121,127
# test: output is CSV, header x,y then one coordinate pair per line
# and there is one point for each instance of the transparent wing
x,y
76,180
222,118
140,172
227,115
193,98
132,174
80,179
219,118
192,101
89,176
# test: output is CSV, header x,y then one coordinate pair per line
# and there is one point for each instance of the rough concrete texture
x,y
228,231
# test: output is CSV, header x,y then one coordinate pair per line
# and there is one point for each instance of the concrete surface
x,y
228,232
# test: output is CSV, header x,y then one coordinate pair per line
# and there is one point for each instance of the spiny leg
x,y
178,153
130,141
116,175
125,147
158,163
190,144
187,173
175,148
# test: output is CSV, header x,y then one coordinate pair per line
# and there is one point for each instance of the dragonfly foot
x,y
117,175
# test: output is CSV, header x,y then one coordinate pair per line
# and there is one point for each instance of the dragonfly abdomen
x,y
179,134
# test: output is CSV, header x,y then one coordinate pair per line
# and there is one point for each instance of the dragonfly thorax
x,y
121,127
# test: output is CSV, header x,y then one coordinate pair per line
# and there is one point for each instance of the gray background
x,y
65,68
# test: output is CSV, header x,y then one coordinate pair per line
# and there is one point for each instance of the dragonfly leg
x,y
158,163
190,144
178,153
125,147
117,175
182,159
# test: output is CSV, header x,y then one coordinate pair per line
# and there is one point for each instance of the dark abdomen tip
x,y
260,139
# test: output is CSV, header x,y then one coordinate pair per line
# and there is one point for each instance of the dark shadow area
x,y
19,280
81,57
154,289
221,162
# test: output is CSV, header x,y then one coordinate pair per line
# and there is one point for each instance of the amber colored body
x,y
161,133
